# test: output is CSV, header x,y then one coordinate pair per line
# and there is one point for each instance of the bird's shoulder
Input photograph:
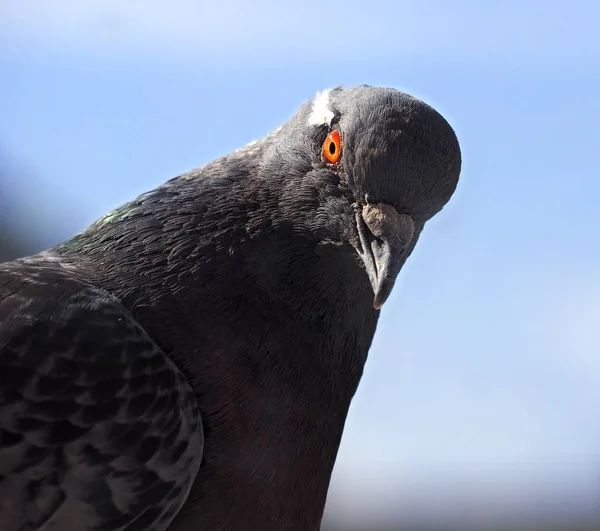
x,y
98,428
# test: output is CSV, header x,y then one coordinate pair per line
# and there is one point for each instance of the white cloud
x,y
313,29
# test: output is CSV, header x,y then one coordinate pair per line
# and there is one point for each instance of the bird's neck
x,y
181,261
273,331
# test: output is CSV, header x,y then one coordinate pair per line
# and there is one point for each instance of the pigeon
x,y
187,362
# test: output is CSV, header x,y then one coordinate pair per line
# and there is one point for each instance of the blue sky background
x,y
483,382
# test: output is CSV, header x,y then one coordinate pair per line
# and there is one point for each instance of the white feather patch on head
x,y
321,113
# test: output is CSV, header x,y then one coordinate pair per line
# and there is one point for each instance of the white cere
x,y
321,113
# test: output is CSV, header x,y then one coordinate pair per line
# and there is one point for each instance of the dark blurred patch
x,y
18,236
13,242
574,526
13,246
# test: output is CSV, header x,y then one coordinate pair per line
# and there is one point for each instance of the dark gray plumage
x,y
188,361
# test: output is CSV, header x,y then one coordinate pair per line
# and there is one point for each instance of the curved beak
x,y
385,238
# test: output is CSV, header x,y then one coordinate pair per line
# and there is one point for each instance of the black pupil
x,y
332,148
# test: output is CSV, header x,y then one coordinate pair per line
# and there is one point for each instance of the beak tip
x,y
378,303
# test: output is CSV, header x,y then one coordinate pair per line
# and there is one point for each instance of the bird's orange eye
x,y
332,147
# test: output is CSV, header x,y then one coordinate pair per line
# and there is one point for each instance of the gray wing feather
x,y
99,430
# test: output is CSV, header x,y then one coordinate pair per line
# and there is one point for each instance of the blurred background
x,y
480,405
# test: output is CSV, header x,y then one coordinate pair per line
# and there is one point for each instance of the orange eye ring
x,y
332,147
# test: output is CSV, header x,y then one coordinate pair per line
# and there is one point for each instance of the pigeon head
x,y
366,167
354,175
